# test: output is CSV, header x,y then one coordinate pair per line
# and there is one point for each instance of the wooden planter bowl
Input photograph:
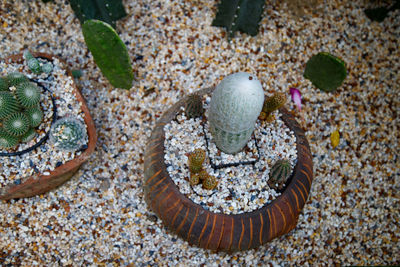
x,y
40,183
216,231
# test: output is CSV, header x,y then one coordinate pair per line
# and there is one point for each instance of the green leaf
x,y
108,11
239,15
109,53
325,71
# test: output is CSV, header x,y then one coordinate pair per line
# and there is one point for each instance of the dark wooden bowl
x,y
40,183
216,231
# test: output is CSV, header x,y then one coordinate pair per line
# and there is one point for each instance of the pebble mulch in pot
x,y
241,188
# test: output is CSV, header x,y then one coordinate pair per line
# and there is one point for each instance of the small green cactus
x,y
47,68
271,104
68,134
194,179
325,71
30,134
7,141
16,124
3,84
279,174
109,53
196,159
194,106
35,115
8,104
34,64
202,175
210,182
28,94
16,78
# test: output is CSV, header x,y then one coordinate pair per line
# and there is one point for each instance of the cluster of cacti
x,y
20,111
34,64
194,106
279,174
104,10
235,105
325,71
197,173
239,15
68,134
271,104
109,53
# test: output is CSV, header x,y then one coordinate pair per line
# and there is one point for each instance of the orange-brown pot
x,y
40,183
217,231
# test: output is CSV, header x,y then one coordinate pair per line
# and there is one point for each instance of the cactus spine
x,y
235,105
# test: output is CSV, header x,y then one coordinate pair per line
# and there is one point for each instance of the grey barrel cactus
x,y
235,105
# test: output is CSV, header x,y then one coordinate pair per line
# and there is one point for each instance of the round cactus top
x,y
236,102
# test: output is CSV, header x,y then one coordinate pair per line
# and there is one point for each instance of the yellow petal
x,y
335,138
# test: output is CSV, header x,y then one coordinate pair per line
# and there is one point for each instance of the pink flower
x,y
296,97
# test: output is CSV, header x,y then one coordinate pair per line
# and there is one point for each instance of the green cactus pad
x,y
104,10
68,134
239,15
109,53
17,124
279,174
16,78
35,116
6,140
28,94
3,84
325,71
8,104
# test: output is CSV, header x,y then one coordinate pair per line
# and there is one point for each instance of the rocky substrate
x,y
100,217
241,188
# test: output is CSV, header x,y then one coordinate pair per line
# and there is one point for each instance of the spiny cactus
x,y
8,104
7,141
28,94
235,105
34,64
194,106
279,174
20,111
210,182
325,71
194,179
109,53
104,10
239,15
68,134
30,134
16,124
196,159
35,115
3,84
271,104
16,78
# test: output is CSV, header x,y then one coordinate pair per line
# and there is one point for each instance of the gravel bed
x,y
46,157
100,217
242,188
